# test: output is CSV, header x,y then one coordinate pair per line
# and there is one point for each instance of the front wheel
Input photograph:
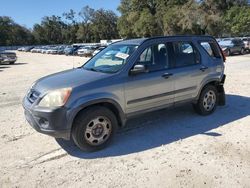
x,y
207,101
12,62
94,128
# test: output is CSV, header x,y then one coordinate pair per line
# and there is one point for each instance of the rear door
x,y
188,71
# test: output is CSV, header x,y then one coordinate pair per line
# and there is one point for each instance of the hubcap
x,y
209,100
98,131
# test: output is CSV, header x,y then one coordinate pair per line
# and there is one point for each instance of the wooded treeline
x,y
137,19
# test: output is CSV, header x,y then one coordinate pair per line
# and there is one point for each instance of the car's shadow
x,y
166,126
15,64
2,66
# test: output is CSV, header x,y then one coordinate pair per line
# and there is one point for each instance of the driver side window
x,y
155,58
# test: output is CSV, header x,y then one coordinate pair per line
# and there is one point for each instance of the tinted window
x,y
211,48
185,54
155,57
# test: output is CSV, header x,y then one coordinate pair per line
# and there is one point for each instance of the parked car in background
x,y
8,57
27,49
45,50
246,41
20,49
34,50
55,50
231,46
90,103
98,50
72,50
86,51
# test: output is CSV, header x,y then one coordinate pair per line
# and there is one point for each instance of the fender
x,y
87,101
221,91
203,84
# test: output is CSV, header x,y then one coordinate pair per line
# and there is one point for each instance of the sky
x,y
29,12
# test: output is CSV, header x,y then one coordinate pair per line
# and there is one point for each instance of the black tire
x,y
229,53
199,107
242,51
12,62
85,119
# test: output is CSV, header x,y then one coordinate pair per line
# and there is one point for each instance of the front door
x,y
154,88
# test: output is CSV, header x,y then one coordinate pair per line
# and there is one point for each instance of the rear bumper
x,y
52,122
223,79
221,92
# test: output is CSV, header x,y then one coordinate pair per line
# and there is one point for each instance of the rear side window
x,y
211,48
185,54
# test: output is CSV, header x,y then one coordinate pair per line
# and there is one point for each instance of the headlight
x,y
56,98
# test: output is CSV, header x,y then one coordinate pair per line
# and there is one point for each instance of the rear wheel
x,y
229,52
207,101
242,51
94,128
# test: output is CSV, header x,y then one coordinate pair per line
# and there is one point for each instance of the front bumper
x,y
9,60
52,122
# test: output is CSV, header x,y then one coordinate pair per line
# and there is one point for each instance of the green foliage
x,y
168,17
237,21
138,19
13,34
97,25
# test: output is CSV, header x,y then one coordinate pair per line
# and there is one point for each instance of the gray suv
x,y
126,79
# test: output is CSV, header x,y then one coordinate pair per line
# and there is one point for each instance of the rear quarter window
x,y
211,48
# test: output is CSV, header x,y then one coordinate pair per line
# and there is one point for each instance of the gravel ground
x,y
167,148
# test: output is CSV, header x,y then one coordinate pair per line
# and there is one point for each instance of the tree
x,y
71,27
104,25
13,34
50,30
198,19
84,31
96,25
149,17
237,21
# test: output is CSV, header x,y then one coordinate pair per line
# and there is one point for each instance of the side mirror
x,y
137,69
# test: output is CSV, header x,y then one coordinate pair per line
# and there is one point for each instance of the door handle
x,y
203,68
167,75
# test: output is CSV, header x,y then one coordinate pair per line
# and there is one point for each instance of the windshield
x,y
111,59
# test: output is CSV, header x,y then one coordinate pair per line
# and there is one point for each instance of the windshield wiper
x,y
93,69
98,70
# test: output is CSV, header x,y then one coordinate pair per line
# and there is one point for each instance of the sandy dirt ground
x,y
167,148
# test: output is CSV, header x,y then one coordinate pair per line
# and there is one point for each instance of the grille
x,y
33,95
11,55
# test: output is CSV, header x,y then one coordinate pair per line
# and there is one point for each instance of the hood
x,y
8,53
69,78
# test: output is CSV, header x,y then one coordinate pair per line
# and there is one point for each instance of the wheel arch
x,y
214,82
108,103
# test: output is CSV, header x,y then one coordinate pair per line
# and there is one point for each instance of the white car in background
x,y
98,50
86,51
246,41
